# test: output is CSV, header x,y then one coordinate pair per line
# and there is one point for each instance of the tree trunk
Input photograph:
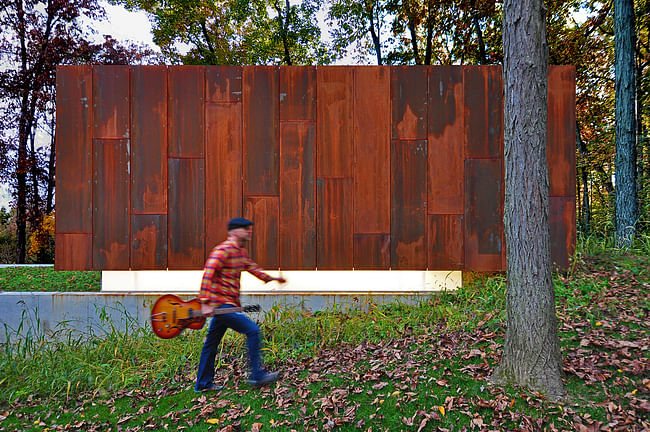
x,y
531,351
585,209
625,187
375,35
49,202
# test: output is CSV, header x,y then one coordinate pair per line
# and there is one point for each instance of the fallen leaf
x,y
212,421
256,427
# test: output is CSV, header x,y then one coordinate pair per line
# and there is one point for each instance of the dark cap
x,y
239,223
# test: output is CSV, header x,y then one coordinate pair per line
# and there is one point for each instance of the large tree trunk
x,y
625,187
374,32
531,352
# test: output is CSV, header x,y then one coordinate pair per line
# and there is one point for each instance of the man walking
x,y
220,290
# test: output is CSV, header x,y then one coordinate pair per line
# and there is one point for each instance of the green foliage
x,y
236,32
48,279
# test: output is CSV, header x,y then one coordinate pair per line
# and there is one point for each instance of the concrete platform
x,y
57,315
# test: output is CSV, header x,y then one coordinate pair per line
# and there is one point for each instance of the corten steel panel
x,y
562,220
149,242
111,204
446,143
372,149
445,242
74,251
561,130
149,139
223,165
484,245
261,140
74,211
298,195
409,102
483,93
223,83
334,224
263,211
111,101
371,252
185,86
298,93
186,239
408,205
335,155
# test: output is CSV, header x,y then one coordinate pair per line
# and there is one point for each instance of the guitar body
x,y
170,315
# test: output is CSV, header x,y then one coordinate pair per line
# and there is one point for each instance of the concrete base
x,y
58,315
361,281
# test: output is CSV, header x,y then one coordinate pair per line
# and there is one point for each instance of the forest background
x,y
38,35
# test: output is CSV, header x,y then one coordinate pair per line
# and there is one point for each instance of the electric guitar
x,y
170,315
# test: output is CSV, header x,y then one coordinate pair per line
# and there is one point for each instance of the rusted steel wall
x,y
340,167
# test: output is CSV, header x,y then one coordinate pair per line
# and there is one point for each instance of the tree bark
x,y
375,35
625,186
531,352
586,211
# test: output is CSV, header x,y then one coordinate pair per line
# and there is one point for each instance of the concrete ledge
x,y
81,314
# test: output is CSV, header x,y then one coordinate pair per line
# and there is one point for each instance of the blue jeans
x,y
218,326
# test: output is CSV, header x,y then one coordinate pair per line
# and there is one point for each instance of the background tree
x,y
359,24
626,197
236,31
37,36
531,352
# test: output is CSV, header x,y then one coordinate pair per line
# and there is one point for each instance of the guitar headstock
x,y
252,308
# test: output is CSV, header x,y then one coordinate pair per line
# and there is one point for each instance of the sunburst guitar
x,y
171,315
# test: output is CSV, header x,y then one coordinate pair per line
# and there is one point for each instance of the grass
x,y
385,367
48,279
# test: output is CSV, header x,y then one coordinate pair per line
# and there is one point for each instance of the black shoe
x,y
267,378
211,387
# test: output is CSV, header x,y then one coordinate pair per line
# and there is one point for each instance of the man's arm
x,y
256,270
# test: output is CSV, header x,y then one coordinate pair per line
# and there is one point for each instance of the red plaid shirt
x,y
222,271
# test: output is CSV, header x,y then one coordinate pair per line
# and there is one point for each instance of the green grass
x,y
386,367
48,279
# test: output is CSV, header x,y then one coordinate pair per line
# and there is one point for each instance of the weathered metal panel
x,y
263,211
408,205
372,252
298,195
149,242
484,245
483,93
74,211
561,130
446,140
562,220
185,104
74,251
111,101
111,204
186,238
409,102
223,165
149,139
335,155
445,242
372,111
223,83
334,223
298,93
261,140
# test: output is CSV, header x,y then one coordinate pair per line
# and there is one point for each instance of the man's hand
x,y
207,310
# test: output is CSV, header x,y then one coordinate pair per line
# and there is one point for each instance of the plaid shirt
x,y
222,271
